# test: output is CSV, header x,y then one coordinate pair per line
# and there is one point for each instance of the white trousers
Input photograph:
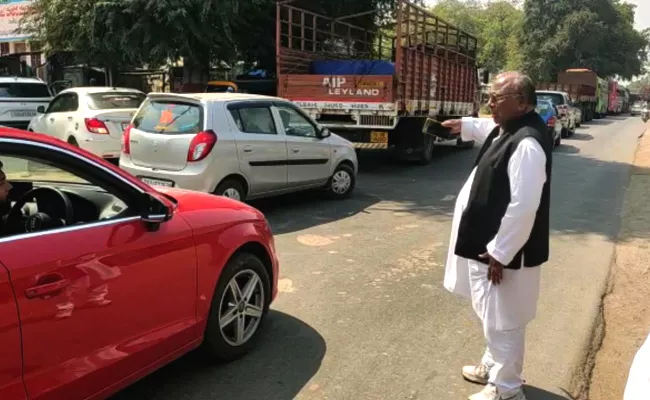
x,y
505,358
504,310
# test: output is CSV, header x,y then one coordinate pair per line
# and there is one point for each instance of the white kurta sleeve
x,y
476,129
527,174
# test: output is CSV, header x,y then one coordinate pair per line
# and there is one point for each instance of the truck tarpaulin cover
x,y
352,67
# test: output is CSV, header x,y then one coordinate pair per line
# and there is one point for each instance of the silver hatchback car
x,y
235,145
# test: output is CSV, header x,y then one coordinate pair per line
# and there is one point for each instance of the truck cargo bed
x,y
427,67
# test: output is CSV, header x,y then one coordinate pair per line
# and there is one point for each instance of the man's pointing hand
x,y
454,124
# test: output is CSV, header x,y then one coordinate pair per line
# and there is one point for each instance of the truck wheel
x,y
426,156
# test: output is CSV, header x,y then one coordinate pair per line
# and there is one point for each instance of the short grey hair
x,y
522,85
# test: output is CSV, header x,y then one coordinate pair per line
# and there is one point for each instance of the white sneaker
x,y
476,373
490,392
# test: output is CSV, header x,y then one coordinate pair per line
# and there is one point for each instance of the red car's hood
x,y
188,201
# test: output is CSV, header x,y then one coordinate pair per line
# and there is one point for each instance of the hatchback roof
x,y
99,89
550,91
217,97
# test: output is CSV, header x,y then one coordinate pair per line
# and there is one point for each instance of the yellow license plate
x,y
378,137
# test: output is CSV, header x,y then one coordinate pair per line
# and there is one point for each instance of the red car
x,y
104,279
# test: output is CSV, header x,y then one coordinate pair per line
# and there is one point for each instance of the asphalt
x,y
362,313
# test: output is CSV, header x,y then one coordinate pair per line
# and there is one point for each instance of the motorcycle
x,y
645,114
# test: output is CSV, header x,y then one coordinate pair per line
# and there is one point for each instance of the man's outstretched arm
x,y
476,129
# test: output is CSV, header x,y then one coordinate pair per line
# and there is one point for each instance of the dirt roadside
x,y
626,308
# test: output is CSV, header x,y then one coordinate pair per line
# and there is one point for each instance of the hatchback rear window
x,y
556,99
24,90
169,117
115,100
543,108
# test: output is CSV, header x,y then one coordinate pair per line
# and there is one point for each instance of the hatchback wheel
x,y
342,182
239,306
231,189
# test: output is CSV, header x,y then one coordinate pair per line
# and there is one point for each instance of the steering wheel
x,y
47,198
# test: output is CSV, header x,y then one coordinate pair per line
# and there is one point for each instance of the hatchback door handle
x,y
69,118
296,149
248,149
51,119
55,283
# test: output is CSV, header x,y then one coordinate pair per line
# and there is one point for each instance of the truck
x,y
602,99
614,105
379,87
582,86
624,99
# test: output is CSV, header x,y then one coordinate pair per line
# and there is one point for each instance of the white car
x,y
19,100
637,108
564,104
92,118
236,145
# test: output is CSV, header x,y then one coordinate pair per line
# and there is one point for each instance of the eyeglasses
x,y
496,97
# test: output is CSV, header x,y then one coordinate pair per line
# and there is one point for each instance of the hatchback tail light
x,y
201,146
94,125
551,122
126,140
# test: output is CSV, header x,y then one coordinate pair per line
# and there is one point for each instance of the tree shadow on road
x,y
601,122
566,148
288,355
582,136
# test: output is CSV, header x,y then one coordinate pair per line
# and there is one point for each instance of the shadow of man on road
x,y
533,393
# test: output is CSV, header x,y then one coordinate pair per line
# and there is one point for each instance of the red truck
x,y
378,86
615,102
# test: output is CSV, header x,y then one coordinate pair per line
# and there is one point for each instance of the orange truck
x,y
377,87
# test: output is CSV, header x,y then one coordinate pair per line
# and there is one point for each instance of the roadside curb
x,y
604,372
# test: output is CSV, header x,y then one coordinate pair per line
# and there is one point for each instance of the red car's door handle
x,y
54,285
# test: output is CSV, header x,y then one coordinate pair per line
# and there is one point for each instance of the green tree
x,y
594,34
497,26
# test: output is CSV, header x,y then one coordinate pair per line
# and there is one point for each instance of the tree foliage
x,y
542,37
594,34
497,26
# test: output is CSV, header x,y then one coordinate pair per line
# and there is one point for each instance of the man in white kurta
x,y
507,306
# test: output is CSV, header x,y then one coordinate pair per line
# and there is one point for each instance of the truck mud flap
x,y
435,128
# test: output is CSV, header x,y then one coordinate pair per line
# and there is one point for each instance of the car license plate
x,y
378,137
23,114
157,182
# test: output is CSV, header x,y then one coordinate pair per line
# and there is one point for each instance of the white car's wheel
x,y
342,182
231,189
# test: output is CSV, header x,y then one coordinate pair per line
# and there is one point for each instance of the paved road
x,y
362,313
